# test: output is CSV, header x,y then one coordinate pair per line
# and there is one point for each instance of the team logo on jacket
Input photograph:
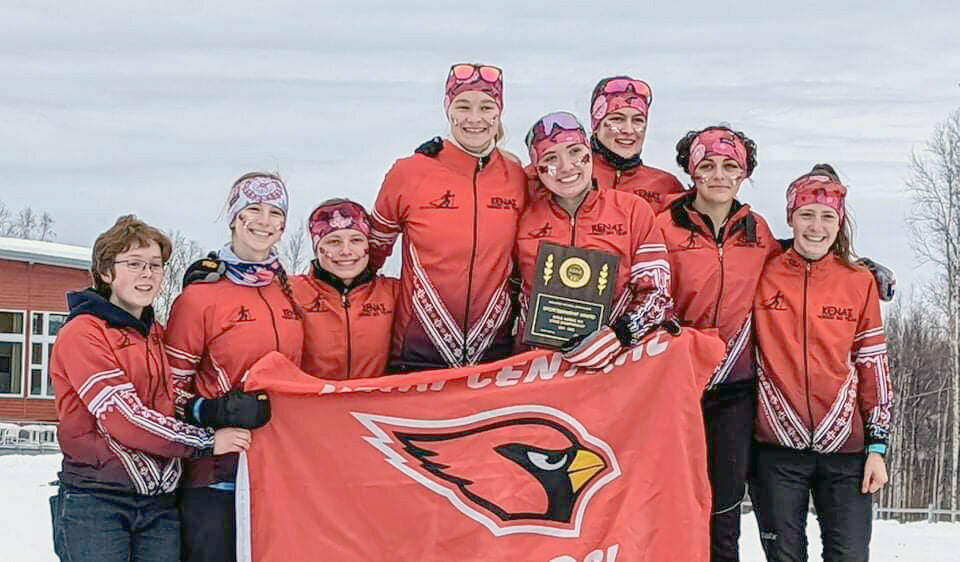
x,y
542,232
244,315
505,203
520,469
608,229
838,313
648,195
445,201
774,303
289,314
374,309
691,243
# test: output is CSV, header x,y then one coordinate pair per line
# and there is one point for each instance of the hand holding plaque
x,y
572,294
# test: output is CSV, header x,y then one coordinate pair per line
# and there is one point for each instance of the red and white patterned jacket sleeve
x,y
388,215
650,303
109,395
874,390
185,340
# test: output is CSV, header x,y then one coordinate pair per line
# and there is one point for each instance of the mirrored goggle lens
x,y
490,73
621,84
463,71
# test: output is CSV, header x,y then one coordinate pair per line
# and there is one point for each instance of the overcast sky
x,y
109,108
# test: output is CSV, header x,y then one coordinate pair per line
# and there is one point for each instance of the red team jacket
x,y
824,377
346,331
609,221
653,185
114,402
215,333
714,281
458,215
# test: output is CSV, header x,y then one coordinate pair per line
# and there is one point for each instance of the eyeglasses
x,y
466,71
545,126
620,85
139,266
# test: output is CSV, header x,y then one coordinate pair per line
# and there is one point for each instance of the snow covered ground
x,y
25,530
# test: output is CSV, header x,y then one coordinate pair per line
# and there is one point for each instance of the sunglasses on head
x,y
621,85
550,122
465,71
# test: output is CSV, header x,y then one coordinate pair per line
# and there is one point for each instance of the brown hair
x,y
127,233
843,245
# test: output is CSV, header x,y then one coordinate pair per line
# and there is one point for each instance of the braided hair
x,y
284,280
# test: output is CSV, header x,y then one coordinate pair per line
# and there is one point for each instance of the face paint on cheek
x,y
548,169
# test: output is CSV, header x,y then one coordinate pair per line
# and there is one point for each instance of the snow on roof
x,y
49,253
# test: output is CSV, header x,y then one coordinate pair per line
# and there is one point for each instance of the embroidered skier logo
x,y
691,243
775,302
543,231
445,201
124,340
243,315
319,305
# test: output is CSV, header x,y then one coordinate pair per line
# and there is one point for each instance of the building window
x,y
12,340
45,326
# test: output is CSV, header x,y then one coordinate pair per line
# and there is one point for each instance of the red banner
x,y
523,459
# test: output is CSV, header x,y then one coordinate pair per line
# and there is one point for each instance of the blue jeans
x,y
110,526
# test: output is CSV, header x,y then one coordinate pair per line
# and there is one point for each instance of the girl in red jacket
x,y
824,382
456,202
348,309
717,247
619,109
122,448
216,332
568,209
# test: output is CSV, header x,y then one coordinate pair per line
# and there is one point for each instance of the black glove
x,y
234,409
884,276
205,270
672,326
430,148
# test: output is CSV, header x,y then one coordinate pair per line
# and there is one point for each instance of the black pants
x,y
780,486
728,412
208,524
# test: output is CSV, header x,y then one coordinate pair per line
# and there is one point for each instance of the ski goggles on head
x,y
465,77
466,71
623,85
551,129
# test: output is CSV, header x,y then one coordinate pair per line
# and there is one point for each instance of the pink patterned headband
x,y
257,189
337,215
810,189
618,92
466,77
716,142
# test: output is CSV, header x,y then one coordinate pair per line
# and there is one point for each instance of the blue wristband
x,y
196,409
878,448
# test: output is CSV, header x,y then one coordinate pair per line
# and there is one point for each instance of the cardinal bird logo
x,y
520,469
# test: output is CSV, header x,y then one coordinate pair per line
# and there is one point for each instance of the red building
x,y
34,279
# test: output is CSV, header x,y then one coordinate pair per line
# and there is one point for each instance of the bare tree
x,y
25,225
6,228
185,252
934,186
45,227
294,252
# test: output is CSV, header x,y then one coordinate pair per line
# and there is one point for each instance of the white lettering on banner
x,y
475,382
595,556
508,376
539,368
656,347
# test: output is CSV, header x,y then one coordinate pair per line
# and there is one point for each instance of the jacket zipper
x,y
616,179
806,371
716,312
473,258
273,320
346,310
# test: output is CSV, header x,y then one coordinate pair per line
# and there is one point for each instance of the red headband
x,y
338,215
717,142
815,188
